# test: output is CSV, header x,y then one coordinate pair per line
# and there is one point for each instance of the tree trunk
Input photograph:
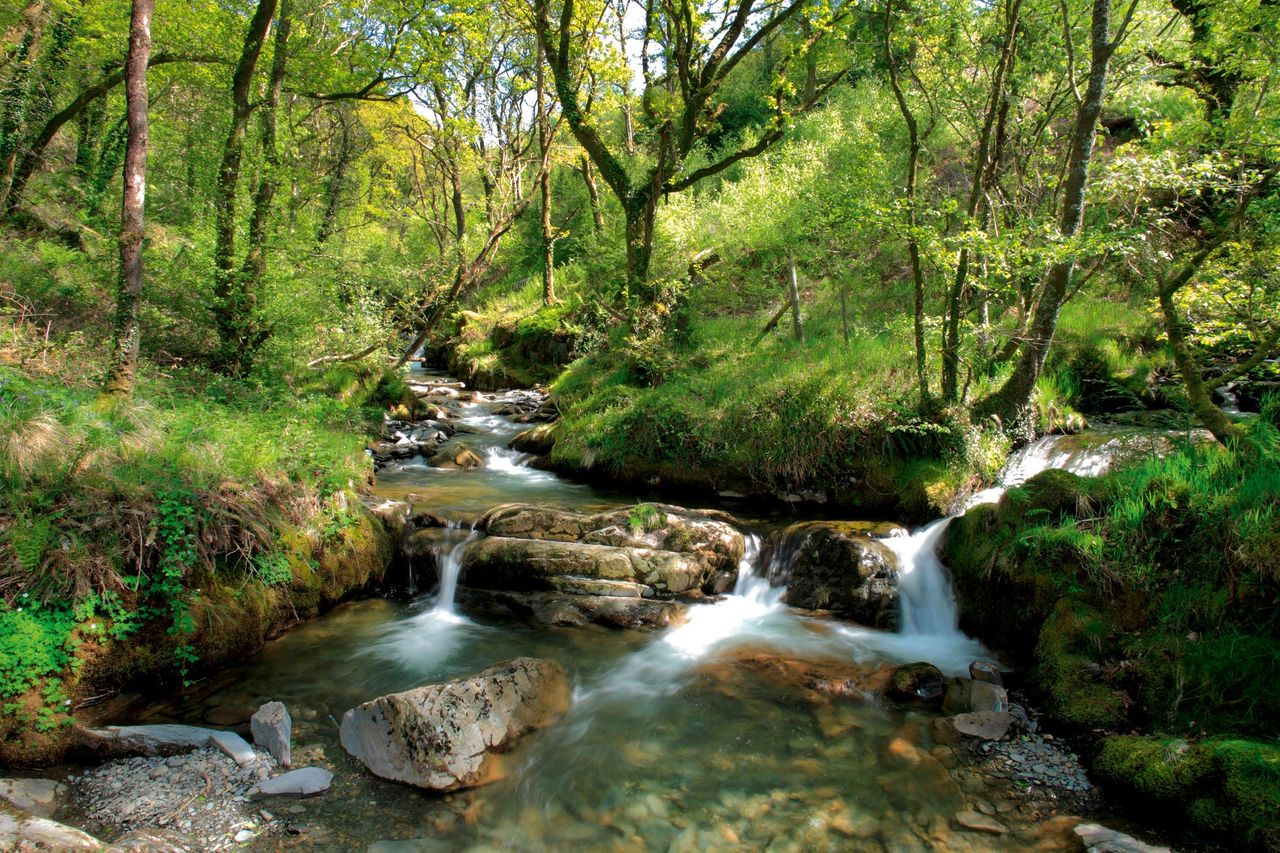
x,y
913,240
793,287
1011,400
1213,418
641,209
544,185
255,261
232,313
982,168
336,179
593,194
123,371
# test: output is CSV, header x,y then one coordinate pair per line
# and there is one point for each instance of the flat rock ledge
x,y
443,737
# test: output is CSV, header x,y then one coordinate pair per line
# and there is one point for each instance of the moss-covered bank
x,y
1146,601
147,543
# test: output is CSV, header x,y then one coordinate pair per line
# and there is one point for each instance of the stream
x,y
670,743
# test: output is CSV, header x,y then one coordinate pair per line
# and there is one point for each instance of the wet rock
x,y
919,681
456,456
980,823
272,730
816,679
1099,839
394,515
840,566
965,696
27,832
152,841
985,670
37,796
497,562
303,782
983,725
572,610
709,535
443,736
595,586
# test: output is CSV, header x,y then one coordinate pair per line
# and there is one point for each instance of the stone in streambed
x,y
983,725
965,696
272,730
595,586
921,681
1099,839
38,796
234,746
456,456
980,822
985,670
27,832
303,782
840,566
443,736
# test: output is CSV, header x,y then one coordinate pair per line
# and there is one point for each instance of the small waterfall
x,y
927,600
753,599
507,461
449,563
928,605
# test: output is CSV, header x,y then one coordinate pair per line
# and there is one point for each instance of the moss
x,y
1069,675
1056,492
1224,785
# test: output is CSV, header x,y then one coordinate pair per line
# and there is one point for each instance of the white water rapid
x,y
449,563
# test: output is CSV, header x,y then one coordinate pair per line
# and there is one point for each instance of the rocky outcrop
x,y
707,542
498,562
839,566
22,831
444,736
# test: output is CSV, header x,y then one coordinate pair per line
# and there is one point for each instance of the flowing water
x,y
672,742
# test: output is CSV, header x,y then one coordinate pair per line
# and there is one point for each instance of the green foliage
x,y
35,642
643,518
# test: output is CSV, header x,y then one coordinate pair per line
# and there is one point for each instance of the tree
x,y
122,374
686,53
1010,401
234,299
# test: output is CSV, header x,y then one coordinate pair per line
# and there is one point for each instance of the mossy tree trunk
x,y
233,306
122,375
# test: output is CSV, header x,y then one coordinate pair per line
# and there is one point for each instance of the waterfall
x,y
927,600
449,563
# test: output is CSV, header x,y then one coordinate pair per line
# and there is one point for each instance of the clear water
x,y
693,738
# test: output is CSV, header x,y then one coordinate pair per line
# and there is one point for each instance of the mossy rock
x,y
1004,597
1055,492
1226,786
1071,680
917,682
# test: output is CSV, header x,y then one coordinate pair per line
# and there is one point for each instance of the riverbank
x,y
1141,608
156,541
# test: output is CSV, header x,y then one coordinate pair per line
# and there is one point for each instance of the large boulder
x,y
443,736
558,609
499,562
839,566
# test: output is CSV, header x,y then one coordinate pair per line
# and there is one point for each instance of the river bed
x,y
685,739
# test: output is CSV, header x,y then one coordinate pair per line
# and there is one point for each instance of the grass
x,y
134,523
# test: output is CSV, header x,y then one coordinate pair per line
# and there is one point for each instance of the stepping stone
x,y
272,729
